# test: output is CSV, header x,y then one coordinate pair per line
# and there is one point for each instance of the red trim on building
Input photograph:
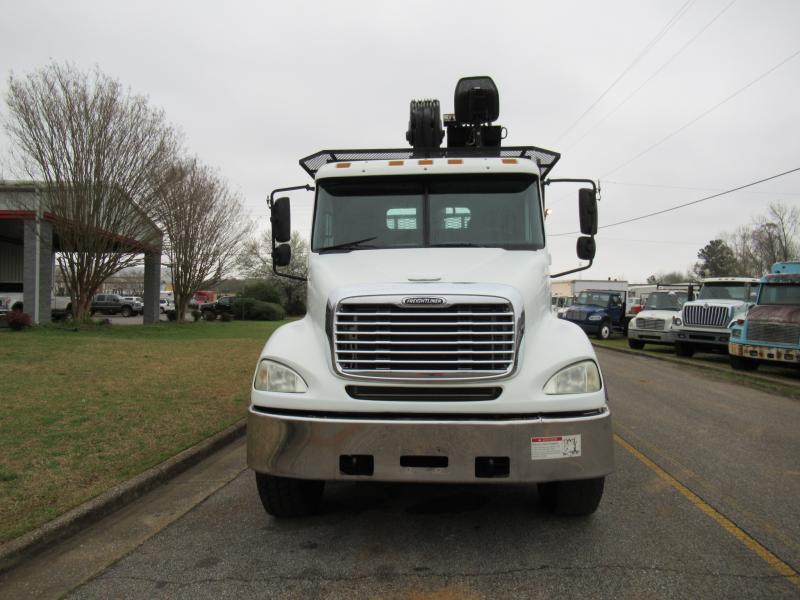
x,y
25,215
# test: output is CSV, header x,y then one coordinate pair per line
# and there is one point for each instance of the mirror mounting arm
x,y
270,204
572,270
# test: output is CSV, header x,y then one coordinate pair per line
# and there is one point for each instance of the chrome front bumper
x,y
775,353
312,447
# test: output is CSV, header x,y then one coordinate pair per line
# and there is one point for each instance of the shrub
x,y
251,309
226,317
18,320
268,311
172,315
297,307
264,291
17,306
196,314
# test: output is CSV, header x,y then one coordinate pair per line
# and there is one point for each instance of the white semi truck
x,y
429,352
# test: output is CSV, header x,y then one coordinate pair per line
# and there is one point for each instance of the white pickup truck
x,y
429,352
61,306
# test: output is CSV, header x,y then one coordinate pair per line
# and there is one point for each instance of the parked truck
x,y
705,324
770,332
599,312
653,324
429,352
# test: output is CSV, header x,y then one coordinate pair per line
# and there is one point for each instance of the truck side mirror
x,y
586,247
282,255
587,209
281,221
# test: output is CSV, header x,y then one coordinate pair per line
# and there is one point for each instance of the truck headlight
x,y
595,317
677,321
580,378
275,377
736,333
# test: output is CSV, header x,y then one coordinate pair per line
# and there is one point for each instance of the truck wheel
x,y
742,363
572,498
684,349
208,315
635,344
126,311
605,331
284,497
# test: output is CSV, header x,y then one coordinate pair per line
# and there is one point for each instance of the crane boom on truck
x,y
429,352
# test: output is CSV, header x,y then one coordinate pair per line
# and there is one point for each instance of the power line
x,y
675,18
693,189
653,76
704,113
676,207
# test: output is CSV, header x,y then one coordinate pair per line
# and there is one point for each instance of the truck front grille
x,y
706,315
778,333
652,324
389,341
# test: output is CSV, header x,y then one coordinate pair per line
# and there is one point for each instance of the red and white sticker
x,y
555,446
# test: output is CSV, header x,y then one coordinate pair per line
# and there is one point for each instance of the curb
x,y
692,365
91,511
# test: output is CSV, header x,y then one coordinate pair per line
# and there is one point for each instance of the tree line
x,y
115,178
748,251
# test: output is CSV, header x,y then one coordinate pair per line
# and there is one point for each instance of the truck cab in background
x,y
429,352
653,324
770,332
598,312
705,324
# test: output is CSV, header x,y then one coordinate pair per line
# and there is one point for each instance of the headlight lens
x,y
595,317
580,378
677,321
736,332
275,377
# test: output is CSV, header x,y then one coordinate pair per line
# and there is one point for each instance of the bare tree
x,y
203,223
100,152
255,261
768,239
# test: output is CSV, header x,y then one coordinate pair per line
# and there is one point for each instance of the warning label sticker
x,y
556,446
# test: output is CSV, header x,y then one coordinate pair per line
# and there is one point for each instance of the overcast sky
x,y
255,86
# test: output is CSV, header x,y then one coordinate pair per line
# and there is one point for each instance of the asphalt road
x,y
704,504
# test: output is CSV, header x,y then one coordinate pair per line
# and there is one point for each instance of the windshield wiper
x,y
354,245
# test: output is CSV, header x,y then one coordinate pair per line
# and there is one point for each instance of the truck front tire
x,y
209,315
742,363
684,349
635,344
285,497
605,331
126,311
577,498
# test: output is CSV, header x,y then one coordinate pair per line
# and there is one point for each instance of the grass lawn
x,y
781,380
81,411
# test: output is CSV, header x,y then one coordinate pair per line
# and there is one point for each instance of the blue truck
x,y
771,330
598,312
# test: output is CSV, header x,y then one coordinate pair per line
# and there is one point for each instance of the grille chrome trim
x,y
777,333
650,324
468,337
706,315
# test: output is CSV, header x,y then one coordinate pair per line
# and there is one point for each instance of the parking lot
x,y
702,504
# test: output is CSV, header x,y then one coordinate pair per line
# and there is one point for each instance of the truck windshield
x,y
594,298
781,293
665,301
716,291
499,211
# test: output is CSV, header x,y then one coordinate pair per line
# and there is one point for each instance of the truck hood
x,y
416,268
775,314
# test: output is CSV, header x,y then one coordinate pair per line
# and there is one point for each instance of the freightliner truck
x,y
771,330
429,352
